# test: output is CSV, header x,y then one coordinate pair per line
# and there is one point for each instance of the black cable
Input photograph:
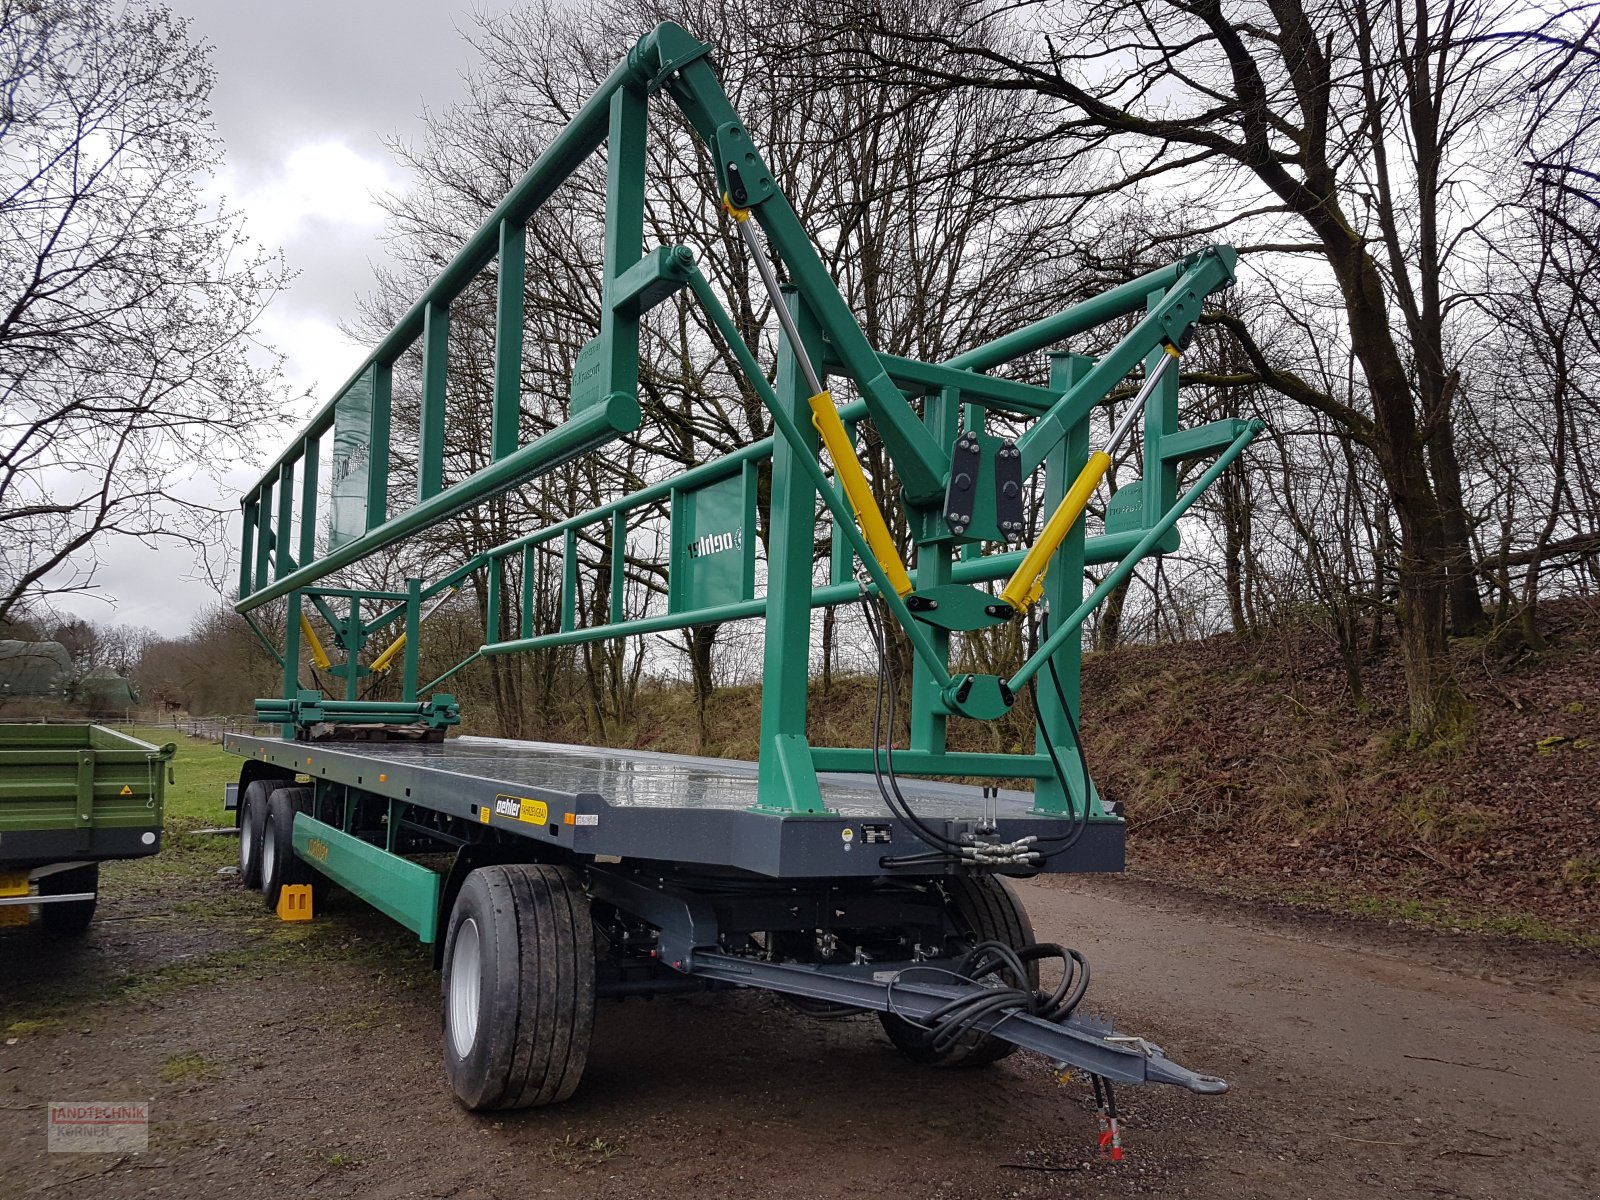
x,y
1080,814
947,850
1011,994
944,846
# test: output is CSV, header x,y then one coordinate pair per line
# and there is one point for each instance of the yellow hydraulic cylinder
x,y
1020,591
318,655
859,492
382,662
1023,589
386,659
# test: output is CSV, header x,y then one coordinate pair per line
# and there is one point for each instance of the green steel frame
x,y
955,397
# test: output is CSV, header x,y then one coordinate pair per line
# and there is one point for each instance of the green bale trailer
x,y
847,878
72,797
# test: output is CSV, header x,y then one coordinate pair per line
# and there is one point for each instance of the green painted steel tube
x,y
404,890
358,594
1069,628
566,152
1203,274
920,462
510,283
978,570
265,641
358,706
739,611
1120,301
844,519
851,760
588,430
722,468
465,662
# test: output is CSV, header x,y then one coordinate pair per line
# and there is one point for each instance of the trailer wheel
x,y
518,987
72,917
279,866
252,819
984,909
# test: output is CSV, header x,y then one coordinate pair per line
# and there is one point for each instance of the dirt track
x,y
285,1062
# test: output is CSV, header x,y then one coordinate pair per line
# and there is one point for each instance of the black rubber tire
x,y
280,867
985,909
252,819
533,1010
72,918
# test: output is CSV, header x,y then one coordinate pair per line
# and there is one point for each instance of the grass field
x,y
193,802
202,768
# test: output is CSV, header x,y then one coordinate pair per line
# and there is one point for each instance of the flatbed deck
x,y
638,804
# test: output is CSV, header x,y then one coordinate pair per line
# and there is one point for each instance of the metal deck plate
x,y
646,779
666,807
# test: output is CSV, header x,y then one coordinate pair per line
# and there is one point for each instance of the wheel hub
x,y
465,984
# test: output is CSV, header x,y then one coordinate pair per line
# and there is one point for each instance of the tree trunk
x,y
1236,542
702,639
1438,706
1466,605
1108,633
827,649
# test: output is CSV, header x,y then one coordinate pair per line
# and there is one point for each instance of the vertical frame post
x,y
1160,478
619,565
435,380
247,538
569,581
378,445
509,284
294,604
491,613
263,534
354,638
750,487
786,780
624,238
1063,591
308,499
282,552
942,415
525,629
413,631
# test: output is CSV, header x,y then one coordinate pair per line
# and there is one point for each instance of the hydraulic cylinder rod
x,y
914,630
1068,627
1021,590
386,659
869,517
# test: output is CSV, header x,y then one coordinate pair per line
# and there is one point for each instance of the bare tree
x,y
1354,135
127,301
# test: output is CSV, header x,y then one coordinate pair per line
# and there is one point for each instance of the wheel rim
x,y
465,983
269,854
247,842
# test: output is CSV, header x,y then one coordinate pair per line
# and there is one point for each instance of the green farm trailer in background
x,y
72,797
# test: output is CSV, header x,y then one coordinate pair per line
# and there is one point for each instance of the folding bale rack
x,y
835,875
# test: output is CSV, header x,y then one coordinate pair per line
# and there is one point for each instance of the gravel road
x,y
1364,1062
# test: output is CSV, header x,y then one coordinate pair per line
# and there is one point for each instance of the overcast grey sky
x,y
306,93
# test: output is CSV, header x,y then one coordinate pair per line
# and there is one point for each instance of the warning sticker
x,y
520,808
126,791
